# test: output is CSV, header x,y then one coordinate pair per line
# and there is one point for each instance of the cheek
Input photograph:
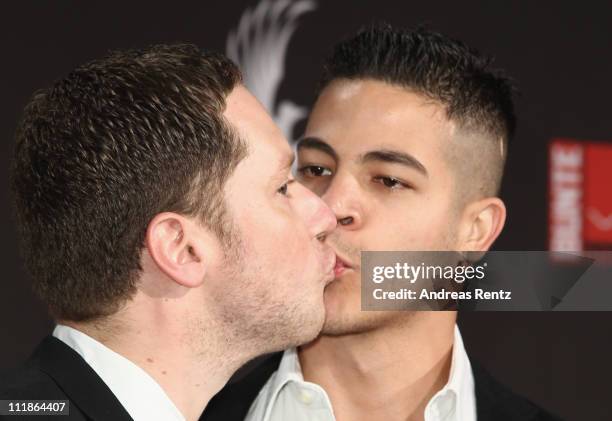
x,y
417,227
274,234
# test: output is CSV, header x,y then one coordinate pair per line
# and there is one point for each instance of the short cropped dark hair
x,y
473,94
103,151
433,65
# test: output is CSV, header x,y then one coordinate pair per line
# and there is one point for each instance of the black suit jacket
x,y
55,371
494,402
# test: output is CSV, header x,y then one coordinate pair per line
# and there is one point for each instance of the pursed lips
x,y
342,265
330,264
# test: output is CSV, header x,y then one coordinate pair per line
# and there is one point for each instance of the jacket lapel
x,y
496,403
78,380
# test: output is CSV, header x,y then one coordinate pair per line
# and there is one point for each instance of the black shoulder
x,y
496,402
235,399
28,382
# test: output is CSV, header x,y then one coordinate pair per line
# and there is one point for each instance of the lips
x,y
330,273
341,266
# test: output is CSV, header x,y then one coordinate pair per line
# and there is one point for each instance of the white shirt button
x,y
306,396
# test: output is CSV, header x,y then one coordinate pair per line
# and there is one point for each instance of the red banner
x,y
580,195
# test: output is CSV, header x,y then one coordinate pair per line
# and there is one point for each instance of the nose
x,y
343,197
319,217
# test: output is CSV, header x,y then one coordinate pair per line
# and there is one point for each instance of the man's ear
x,y
482,223
173,243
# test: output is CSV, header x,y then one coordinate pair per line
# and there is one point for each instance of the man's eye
x,y
314,171
390,182
284,189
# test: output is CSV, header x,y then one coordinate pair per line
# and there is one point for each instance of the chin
x,y
347,324
312,323
343,295
298,328
343,315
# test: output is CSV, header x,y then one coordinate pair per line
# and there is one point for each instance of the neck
x,y
388,373
190,373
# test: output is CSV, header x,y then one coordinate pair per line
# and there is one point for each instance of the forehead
x,y
246,114
355,116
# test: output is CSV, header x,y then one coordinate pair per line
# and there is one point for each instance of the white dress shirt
x,y
286,396
141,396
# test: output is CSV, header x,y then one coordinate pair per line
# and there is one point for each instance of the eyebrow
x,y
395,157
382,155
318,144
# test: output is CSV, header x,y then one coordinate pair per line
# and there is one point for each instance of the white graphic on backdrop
x,y
259,46
603,223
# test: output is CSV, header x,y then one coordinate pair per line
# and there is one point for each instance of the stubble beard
x,y
253,317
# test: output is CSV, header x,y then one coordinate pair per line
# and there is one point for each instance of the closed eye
x,y
391,183
284,189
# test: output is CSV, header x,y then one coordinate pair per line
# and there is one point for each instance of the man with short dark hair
x,y
161,225
406,143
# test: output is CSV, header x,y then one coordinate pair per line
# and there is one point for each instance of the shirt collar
x,y
457,394
288,370
459,390
141,396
